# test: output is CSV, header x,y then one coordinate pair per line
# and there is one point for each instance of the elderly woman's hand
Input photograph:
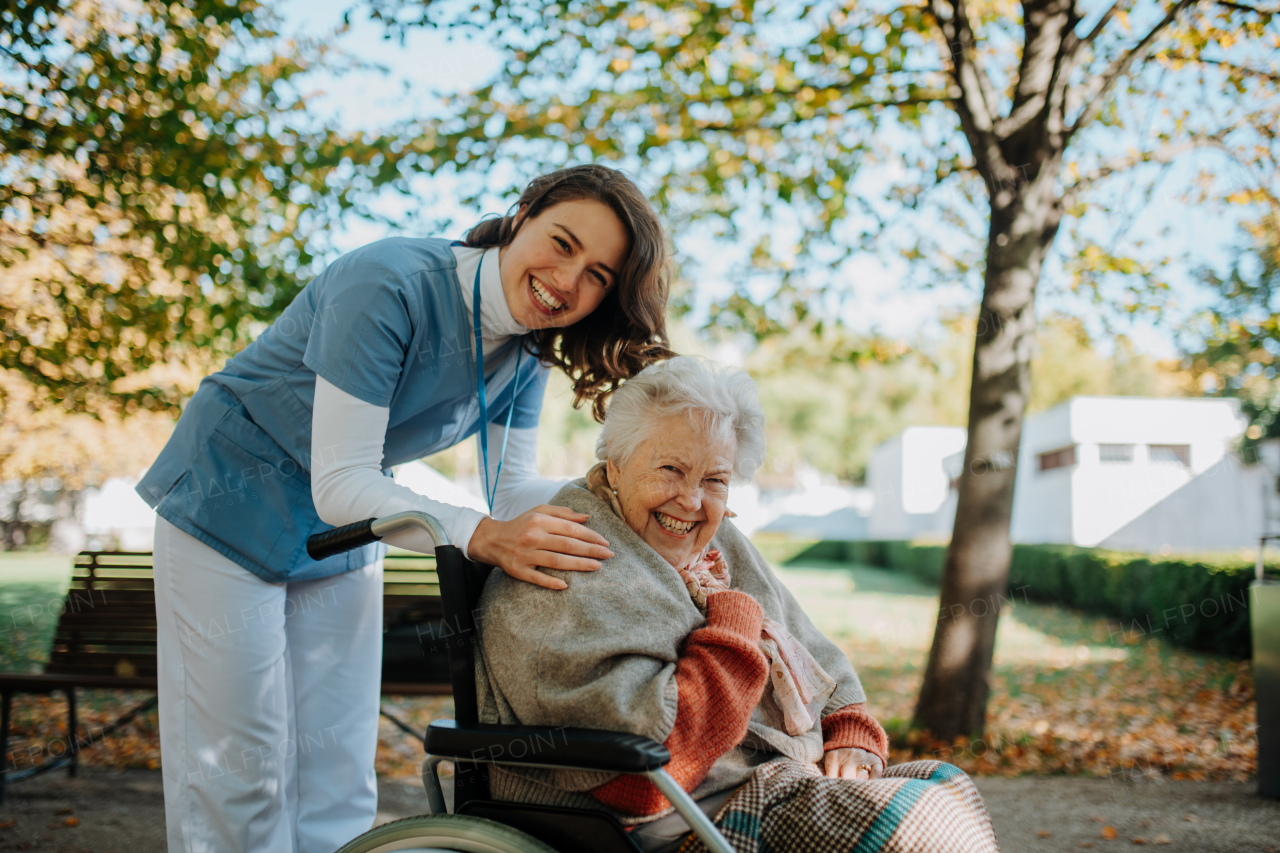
x,y
852,763
705,577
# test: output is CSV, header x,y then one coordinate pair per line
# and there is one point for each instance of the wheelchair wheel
x,y
432,833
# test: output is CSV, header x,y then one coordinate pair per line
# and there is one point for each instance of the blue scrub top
x,y
386,323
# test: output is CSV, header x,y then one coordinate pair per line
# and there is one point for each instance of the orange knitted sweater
x,y
719,681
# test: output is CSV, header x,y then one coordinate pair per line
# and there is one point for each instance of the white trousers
x,y
269,697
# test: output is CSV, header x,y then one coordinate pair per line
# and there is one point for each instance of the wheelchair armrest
x,y
581,749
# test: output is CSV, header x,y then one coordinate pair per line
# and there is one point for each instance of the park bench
x,y
106,639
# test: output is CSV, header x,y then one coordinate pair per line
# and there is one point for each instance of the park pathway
x,y
121,811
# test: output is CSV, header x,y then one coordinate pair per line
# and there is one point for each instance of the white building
x,y
1131,473
817,508
116,518
910,484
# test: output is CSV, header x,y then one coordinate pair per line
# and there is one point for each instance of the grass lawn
x,y
1070,693
32,587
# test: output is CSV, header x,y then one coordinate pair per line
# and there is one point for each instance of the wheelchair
x,y
477,823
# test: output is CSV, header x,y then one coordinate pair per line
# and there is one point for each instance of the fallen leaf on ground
x,y
1044,833
1086,843
65,810
8,824
71,821
1109,833
1163,839
1139,840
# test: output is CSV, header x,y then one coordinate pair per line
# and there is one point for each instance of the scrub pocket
x,y
259,502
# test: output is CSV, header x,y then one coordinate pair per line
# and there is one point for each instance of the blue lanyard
x,y
489,492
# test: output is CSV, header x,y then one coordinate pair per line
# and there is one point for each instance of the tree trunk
x,y
953,699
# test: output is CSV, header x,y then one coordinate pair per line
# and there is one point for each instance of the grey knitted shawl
x,y
602,655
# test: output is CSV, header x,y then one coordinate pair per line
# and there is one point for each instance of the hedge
x,y
1200,602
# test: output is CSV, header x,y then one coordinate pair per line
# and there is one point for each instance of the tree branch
x,y
975,103
1241,7
1120,66
965,47
934,97
1074,42
1163,154
754,93
1043,75
1241,69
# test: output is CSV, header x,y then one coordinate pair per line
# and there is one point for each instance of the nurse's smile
x,y
562,263
546,297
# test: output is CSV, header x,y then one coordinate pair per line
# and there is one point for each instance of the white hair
x,y
721,399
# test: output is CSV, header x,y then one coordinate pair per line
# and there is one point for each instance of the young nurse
x,y
269,661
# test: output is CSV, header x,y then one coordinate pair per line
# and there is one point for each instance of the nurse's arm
x,y
347,484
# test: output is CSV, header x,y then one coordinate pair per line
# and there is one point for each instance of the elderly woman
x,y
686,636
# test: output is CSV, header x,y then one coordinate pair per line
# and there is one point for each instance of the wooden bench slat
x,y
110,611
105,644
106,611
135,669
141,585
113,624
132,638
112,647
46,681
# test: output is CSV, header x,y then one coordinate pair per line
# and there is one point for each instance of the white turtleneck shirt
x,y
349,486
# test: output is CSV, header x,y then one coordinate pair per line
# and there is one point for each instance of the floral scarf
x,y
796,677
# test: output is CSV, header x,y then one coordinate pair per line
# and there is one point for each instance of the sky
x,y
428,62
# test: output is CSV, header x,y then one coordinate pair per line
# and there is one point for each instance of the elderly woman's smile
x,y
674,487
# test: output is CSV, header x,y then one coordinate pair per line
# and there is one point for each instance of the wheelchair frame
x,y
470,744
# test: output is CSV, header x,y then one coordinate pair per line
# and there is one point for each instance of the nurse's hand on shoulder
x,y
551,537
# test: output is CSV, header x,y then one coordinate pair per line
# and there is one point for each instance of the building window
x,y
1175,454
1061,458
1115,452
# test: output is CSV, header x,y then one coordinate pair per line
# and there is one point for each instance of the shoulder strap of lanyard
x,y
490,491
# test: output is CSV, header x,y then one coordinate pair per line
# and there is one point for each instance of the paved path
x,y
122,812
1204,817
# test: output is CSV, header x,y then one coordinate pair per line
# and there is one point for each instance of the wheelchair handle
x,y
359,533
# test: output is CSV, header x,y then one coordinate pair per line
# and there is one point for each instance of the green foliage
x,y
808,133
780,548
164,191
1238,353
1199,602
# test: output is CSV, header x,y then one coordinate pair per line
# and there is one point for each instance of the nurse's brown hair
x,y
628,330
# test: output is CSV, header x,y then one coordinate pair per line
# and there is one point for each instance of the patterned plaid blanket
x,y
917,807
